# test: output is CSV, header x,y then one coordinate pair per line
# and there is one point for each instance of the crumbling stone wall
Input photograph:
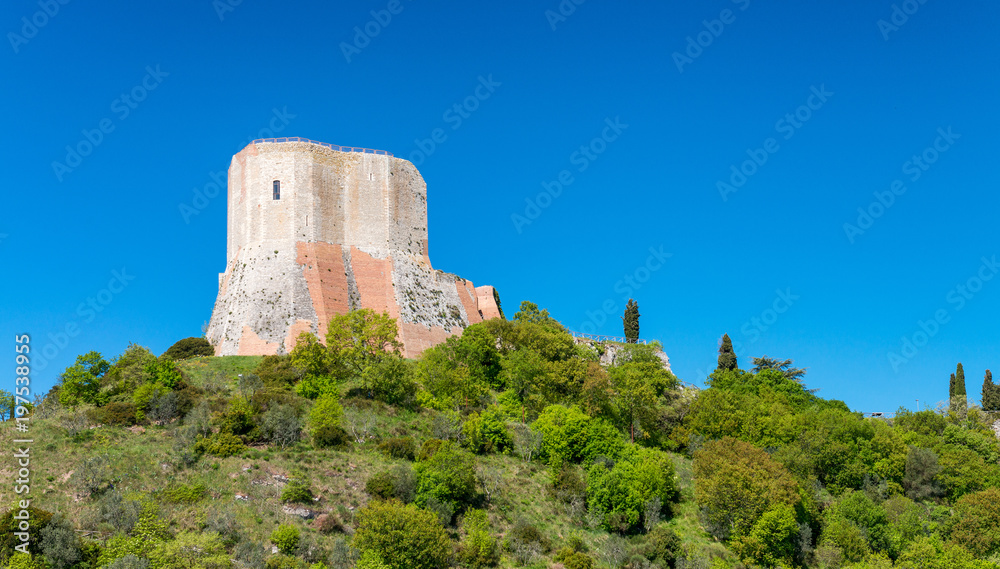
x,y
349,231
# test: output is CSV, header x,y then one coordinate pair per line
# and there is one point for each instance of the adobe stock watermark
x,y
223,7
363,35
786,126
899,17
582,158
454,116
753,329
956,299
86,312
914,168
625,287
31,25
563,11
698,43
122,107
219,181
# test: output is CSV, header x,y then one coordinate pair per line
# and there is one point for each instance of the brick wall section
x,y
326,278
252,345
467,294
487,302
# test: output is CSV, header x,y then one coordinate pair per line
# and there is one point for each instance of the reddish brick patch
x,y
323,268
252,345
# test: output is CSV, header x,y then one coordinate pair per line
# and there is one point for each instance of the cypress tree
x,y
959,401
991,393
727,357
630,321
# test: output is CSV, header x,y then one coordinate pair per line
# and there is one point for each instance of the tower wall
x,y
349,231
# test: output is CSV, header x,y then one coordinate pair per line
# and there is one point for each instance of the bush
x,y
403,447
920,478
286,537
479,548
449,476
390,379
621,492
487,433
281,425
130,561
60,546
399,483
325,419
297,491
118,512
977,525
666,545
428,449
184,493
222,445
119,413
278,371
189,348
402,536
163,407
574,559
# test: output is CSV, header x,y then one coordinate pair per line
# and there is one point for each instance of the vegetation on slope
x,y
510,446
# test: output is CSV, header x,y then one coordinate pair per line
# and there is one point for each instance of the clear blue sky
x,y
208,84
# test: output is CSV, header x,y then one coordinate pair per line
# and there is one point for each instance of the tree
x,y
479,548
620,491
59,543
991,393
635,392
447,477
325,420
189,348
630,321
362,337
727,357
402,536
977,526
959,399
736,482
390,380
81,382
530,313
785,367
772,541
191,550
281,425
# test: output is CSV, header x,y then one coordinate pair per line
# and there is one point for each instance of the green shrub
x,y
403,447
325,420
574,559
239,417
389,379
402,536
449,476
297,491
281,425
286,537
487,433
60,545
278,371
428,449
330,436
479,548
189,348
622,491
222,445
184,493
120,413
666,545
398,483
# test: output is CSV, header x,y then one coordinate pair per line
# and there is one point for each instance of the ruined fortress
x,y
316,230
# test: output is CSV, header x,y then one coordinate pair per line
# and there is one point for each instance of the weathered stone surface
x,y
349,231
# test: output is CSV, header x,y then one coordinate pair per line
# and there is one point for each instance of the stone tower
x,y
317,230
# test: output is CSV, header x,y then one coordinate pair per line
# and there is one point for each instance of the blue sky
x,y
644,126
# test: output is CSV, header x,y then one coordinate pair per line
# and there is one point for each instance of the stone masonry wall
x,y
349,231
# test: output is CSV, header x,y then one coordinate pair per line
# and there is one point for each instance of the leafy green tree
x,y
523,371
362,337
620,491
736,482
991,393
81,382
964,471
487,433
920,478
727,357
325,419
772,541
402,537
570,435
530,313
784,366
390,380
933,553
630,322
318,367
636,388
977,522
448,477
189,348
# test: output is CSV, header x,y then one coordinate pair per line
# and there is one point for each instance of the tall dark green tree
x,y
991,393
959,398
631,322
727,357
